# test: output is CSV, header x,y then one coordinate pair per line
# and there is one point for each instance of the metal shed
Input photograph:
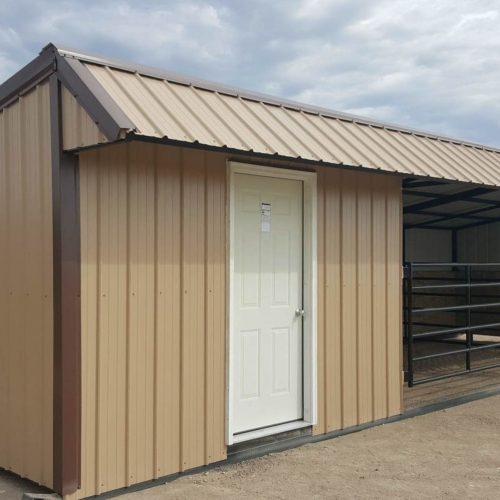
x,y
187,266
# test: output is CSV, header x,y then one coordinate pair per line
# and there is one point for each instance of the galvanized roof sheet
x,y
169,106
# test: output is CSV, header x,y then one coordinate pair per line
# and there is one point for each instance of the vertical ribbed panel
x,y
153,313
26,300
359,298
154,308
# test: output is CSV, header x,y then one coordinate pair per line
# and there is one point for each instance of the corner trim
x,y
67,328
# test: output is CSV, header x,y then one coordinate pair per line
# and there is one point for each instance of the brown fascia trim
x,y
67,326
92,96
27,77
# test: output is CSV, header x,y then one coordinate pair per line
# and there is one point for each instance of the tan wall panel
x,y
193,310
154,308
141,269
89,284
359,329
168,357
333,297
79,130
215,400
364,306
379,294
26,329
348,273
153,313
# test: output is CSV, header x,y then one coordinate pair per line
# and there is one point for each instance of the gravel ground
x,y
450,454
12,487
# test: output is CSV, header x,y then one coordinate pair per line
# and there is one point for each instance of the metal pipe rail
x,y
455,308
463,312
457,285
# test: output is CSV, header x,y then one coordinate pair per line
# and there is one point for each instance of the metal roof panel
x,y
166,105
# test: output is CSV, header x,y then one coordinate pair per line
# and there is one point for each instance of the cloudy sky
x,y
430,64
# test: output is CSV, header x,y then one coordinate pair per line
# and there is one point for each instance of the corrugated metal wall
x,y
153,313
359,298
78,129
26,324
154,308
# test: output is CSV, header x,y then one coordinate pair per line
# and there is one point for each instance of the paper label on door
x,y
265,217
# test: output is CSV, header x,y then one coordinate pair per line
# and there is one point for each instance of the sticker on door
x,y
265,217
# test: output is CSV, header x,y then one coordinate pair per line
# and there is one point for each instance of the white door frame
x,y
309,297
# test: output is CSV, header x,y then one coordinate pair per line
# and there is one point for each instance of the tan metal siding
x,y
153,313
78,129
168,355
154,308
190,113
26,299
359,298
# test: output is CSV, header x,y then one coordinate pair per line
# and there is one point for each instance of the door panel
x,y
267,333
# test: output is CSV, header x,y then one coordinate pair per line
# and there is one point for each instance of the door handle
x,y
299,312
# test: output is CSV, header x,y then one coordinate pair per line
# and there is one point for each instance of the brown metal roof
x,y
171,107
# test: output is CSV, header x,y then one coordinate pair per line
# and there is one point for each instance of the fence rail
x,y
420,281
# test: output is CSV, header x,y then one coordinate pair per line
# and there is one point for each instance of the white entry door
x,y
266,336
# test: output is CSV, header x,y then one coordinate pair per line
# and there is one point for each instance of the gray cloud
x,y
428,64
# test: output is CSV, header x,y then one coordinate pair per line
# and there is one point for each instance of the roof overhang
x,y
133,102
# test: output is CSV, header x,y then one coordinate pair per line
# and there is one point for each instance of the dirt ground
x,y
449,454
442,390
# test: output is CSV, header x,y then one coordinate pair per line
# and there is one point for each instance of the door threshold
x,y
269,431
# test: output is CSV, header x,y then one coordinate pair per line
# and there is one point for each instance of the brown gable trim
x,y
27,77
91,95
67,328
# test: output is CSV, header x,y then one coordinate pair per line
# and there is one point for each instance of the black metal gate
x,y
448,304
